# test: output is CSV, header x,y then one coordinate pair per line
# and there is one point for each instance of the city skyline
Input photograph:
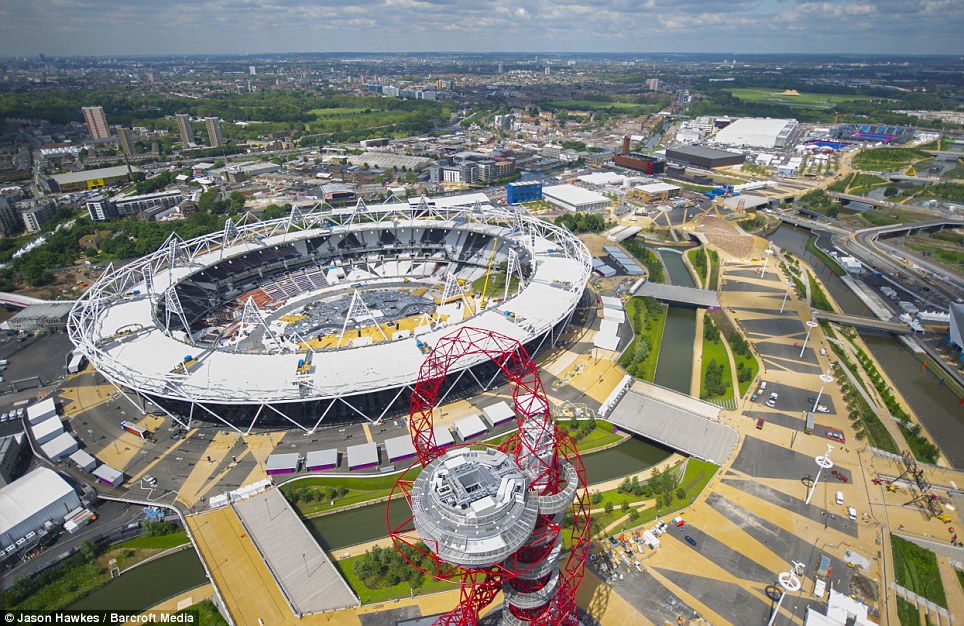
x,y
58,27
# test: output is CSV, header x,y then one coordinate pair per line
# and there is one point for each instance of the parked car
x,y
690,540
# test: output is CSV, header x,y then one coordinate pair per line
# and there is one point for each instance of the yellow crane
x,y
488,271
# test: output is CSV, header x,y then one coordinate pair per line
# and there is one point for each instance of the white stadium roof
x,y
145,359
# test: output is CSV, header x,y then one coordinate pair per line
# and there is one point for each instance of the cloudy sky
x,y
103,27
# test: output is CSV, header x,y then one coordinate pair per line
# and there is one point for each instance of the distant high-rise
x,y
652,84
126,140
184,129
214,131
252,70
96,122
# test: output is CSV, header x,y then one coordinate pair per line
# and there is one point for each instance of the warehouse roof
x,y
702,151
363,454
60,445
283,461
321,458
45,409
104,172
399,447
755,131
31,494
570,194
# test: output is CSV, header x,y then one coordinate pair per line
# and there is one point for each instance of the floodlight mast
x,y
490,519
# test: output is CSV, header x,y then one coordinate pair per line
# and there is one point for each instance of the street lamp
x,y
769,251
811,324
824,379
823,462
790,583
786,295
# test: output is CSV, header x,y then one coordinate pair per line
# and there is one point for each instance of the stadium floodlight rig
x,y
490,518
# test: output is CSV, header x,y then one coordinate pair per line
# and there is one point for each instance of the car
x,y
832,434
754,397
150,480
771,403
822,409
20,412
690,540
4,417
613,541
759,424
774,396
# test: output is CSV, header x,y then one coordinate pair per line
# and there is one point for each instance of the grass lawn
x,y
646,370
748,360
907,613
695,257
401,590
714,270
359,490
960,577
496,286
951,258
73,584
803,101
601,435
916,569
595,105
340,119
828,260
161,541
886,159
207,614
715,351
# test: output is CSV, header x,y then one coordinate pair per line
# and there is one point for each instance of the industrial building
x,y
519,192
388,160
47,316
708,158
758,132
11,449
29,502
645,163
88,179
572,198
654,192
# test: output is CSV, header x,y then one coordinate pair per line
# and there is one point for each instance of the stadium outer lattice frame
x,y
153,278
546,455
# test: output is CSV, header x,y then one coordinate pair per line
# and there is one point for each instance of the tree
x,y
609,507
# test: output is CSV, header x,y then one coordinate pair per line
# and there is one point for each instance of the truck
x,y
77,363
134,429
810,423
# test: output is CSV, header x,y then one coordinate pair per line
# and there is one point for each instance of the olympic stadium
x,y
327,314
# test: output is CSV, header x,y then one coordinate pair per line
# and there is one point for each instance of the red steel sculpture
x,y
490,518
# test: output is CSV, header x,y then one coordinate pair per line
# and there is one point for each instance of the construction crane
x,y
488,271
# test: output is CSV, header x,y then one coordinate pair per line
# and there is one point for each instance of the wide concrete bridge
x,y
703,298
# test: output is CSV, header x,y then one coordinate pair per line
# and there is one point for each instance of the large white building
x,y
572,198
758,132
29,502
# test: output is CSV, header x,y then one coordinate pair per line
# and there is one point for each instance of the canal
x,y
674,367
148,584
367,523
935,405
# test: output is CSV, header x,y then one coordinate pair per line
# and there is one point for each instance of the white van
x,y
839,497
851,512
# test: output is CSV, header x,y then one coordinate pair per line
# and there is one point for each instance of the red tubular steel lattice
x,y
538,448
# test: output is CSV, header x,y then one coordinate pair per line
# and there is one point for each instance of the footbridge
x,y
676,421
864,322
691,296
18,300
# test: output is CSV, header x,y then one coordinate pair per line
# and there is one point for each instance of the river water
x,y
935,405
148,584
675,364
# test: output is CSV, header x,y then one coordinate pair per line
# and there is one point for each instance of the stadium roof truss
x,y
153,278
